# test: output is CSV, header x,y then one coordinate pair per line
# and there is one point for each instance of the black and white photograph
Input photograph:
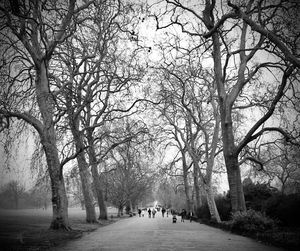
x,y
150,125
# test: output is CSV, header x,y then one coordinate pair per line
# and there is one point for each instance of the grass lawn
x,y
28,229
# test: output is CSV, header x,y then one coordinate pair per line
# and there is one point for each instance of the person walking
x,y
163,212
153,213
183,214
191,215
149,212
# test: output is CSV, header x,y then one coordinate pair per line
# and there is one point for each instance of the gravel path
x,y
142,233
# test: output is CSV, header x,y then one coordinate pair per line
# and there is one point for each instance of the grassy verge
x,y
29,229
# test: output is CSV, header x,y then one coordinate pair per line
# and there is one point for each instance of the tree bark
x,y
231,159
235,184
86,189
120,211
48,140
197,188
186,187
96,180
214,214
82,164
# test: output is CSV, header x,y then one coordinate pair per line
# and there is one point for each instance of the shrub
x,y
203,212
285,209
256,195
251,221
224,207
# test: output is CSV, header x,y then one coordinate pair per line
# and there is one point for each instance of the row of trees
x,y
65,74
226,86
79,74
14,195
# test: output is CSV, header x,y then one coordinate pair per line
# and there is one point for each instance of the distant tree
x,y
74,187
13,191
165,194
279,166
191,108
129,178
171,193
40,195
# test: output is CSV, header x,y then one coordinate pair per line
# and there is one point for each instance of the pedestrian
x,y
183,214
168,212
174,218
149,212
163,212
139,212
191,215
153,213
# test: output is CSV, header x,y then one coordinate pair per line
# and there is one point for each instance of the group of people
x,y
185,215
151,213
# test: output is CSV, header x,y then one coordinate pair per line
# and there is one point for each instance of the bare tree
x,y
236,46
30,33
278,164
13,190
196,125
130,178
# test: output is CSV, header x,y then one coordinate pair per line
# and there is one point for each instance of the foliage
x,y
223,205
284,208
203,212
251,221
256,195
278,206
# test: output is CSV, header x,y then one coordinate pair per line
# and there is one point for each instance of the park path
x,y
144,234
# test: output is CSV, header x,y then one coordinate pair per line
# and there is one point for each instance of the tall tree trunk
x,y
82,165
86,189
120,211
231,159
96,179
48,141
198,201
235,184
59,198
231,162
187,189
214,213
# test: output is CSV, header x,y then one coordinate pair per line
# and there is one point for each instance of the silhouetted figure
x,y
183,215
174,218
149,212
153,213
163,212
191,215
